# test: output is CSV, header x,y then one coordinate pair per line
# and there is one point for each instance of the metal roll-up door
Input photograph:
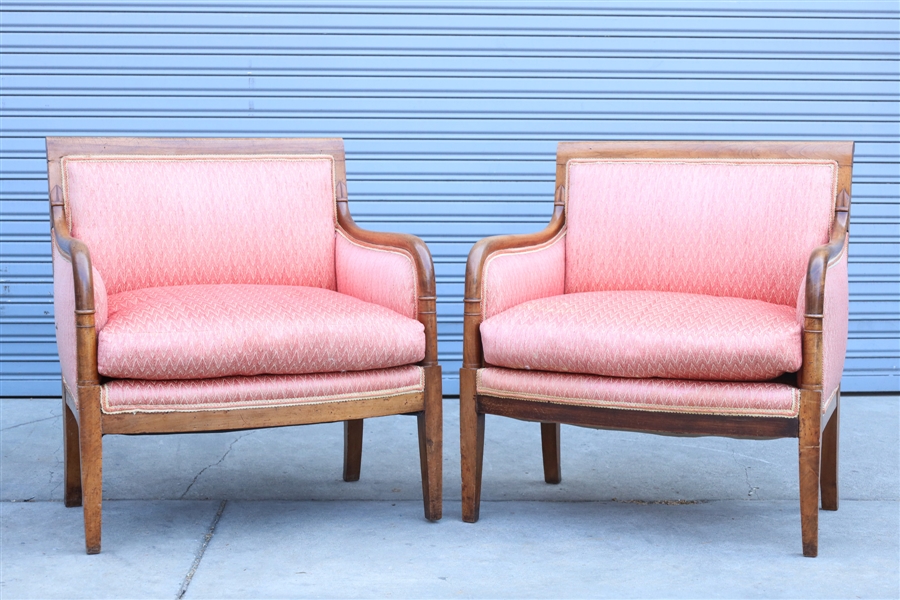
x,y
450,113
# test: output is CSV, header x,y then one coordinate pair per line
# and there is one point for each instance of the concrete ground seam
x,y
201,551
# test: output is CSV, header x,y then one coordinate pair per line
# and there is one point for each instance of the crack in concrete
x,y
733,452
206,539
218,462
751,489
59,463
29,422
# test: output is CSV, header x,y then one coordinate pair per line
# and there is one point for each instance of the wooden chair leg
x,y
809,494
471,441
71,457
431,445
550,450
353,438
91,446
828,478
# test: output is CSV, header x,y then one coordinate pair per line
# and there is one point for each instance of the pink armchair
x,y
220,284
695,288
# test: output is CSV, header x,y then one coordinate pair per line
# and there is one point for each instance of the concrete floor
x,y
266,514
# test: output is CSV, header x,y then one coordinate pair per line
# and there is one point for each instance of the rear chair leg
x,y
830,445
550,450
71,456
353,438
471,440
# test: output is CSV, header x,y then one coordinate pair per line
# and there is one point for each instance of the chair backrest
x,y
155,218
720,226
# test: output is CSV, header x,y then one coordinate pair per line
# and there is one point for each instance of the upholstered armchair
x,y
221,284
688,288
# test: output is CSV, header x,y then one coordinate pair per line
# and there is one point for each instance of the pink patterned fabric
x,y
64,318
743,229
376,274
647,334
101,300
64,315
835,326
153,221
204,331
663,395
124,395
511,277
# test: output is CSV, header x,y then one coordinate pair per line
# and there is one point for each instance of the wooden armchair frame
x,y
84,424
817,432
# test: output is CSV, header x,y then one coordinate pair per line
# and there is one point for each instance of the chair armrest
x,y
531,256
512,276
382,275
79,301
826,309
383,250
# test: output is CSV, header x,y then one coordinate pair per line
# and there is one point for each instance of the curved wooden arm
x,y
819,260
77,253
822,256
420,255
473,356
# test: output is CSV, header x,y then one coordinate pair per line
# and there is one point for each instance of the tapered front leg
x,y
830,444
91,446
353,438
550,450
431,445
810,455
809,499
71,456
471,441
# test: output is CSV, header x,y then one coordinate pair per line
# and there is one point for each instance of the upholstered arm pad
x,y
835,323
511,277
64,307
378,274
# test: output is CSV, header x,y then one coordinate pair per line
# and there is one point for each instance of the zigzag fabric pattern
x,y
158,221
125,395
835,326
204,331
511,277
64,319
647,334
377,275
662,395
743,229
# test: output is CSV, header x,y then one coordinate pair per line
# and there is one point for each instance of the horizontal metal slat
x,y
411,65
494,25
251,107
861,9
453,128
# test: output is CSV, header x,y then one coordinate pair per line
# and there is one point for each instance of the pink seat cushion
x,y
202,331
647,334
663,395
129,395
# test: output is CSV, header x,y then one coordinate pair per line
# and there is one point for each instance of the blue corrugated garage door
x,y
450,112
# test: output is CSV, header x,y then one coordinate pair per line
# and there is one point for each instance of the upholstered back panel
x,y
153,221
743,229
